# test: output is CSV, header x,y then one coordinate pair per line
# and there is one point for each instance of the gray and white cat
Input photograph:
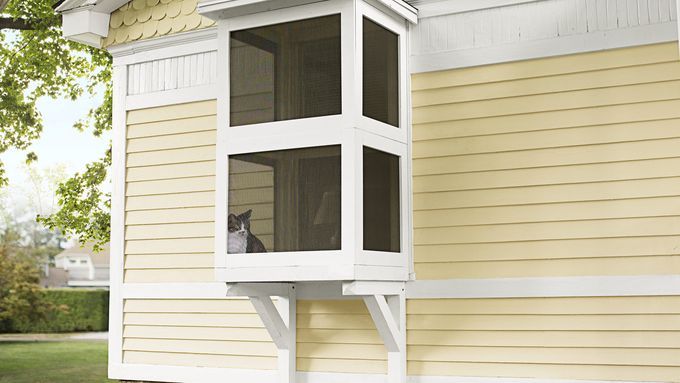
x,y
239,239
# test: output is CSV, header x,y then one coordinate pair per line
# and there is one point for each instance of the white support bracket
x,y
278,318
386,302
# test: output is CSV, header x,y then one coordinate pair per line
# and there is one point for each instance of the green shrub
x,y
72,310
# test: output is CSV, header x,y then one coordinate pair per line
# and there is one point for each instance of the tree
x,y
36,61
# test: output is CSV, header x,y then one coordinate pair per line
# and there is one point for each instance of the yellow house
x,y
465,191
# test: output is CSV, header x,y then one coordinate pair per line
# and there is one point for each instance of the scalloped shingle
x,y
145,19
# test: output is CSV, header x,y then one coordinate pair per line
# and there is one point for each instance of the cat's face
x,y
239,223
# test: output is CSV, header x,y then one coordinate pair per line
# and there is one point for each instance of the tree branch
x,y
18,24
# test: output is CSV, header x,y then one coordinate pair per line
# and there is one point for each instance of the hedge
x,y
74,310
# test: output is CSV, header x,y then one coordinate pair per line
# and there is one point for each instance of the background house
x,y
79,267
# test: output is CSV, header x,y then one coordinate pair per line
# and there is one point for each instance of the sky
x,y
60,145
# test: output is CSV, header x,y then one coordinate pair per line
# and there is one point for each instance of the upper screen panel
x,y
285,71
380,73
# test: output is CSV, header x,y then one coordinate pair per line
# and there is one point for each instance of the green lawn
x,y
53,362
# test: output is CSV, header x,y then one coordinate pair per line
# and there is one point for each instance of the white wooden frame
x,y
350,129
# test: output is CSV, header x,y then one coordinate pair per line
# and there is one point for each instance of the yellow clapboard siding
x,y
629,227
193,320
200,360
554,249
596,339
160,172
171,156
171,186
647,265
591,135
655,72
338,336
552,355
335,321
239,306
172,230
170,201
203,333
342,351
617,58
174,141
162,128
252,180
630,322
570,305
601,115
354,306
626,151
547,371
172,112
657,187
169,275
565,174
342,365
643,207
251,196
627,94
200,346
170,246
169,261
178,215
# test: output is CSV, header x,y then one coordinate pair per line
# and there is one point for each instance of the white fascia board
x,y
438,8
224,9
86,26
102,6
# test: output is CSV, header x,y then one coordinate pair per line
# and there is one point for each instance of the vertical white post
x,y
287,308
396,361
118,170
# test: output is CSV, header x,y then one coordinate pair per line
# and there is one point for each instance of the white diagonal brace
x,y
384,321
272,320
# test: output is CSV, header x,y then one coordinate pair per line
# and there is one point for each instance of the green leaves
x,y
83,207
39,62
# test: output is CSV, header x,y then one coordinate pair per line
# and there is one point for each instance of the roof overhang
x,y
224,9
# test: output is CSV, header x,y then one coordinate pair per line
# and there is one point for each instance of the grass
x,y
53,362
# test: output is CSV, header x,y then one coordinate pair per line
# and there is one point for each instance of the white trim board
x,y
438,8
596,286
180,44
171,97
588,42
642,35
208,374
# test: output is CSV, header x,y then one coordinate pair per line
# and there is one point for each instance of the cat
x,y
239,239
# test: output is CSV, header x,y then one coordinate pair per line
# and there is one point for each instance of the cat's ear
x,y
247,214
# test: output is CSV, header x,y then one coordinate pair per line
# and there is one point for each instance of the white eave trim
x,y
224,9
102,6
87,26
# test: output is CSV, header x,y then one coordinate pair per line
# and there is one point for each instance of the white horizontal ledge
x,y
595,286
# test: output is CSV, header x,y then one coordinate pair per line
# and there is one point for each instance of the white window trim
x,y
351,262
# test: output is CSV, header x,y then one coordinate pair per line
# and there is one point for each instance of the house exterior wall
x,y
563,166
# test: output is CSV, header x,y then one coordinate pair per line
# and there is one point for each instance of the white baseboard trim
x,y
157,373
587,42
